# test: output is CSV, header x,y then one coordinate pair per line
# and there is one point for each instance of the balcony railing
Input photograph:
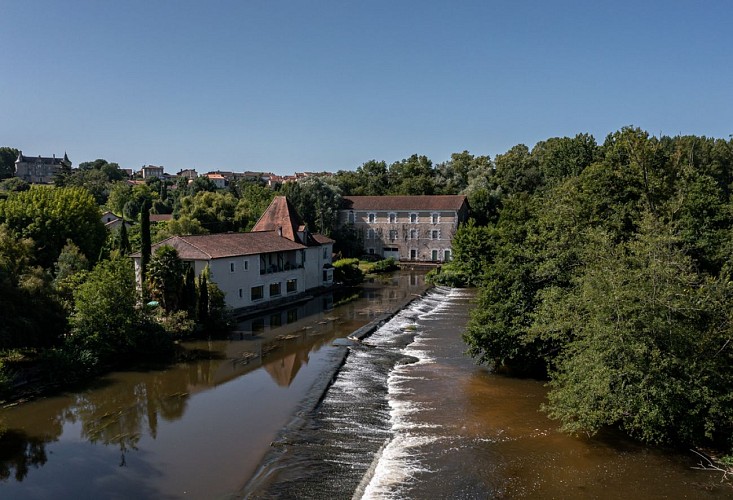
x,y
274,268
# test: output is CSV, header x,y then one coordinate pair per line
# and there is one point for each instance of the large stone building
x,y
277,261
40,169
407,228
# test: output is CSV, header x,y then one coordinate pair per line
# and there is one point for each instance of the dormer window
x,y
372,217
413,218
392,218
435,218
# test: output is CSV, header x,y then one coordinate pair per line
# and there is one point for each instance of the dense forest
x,y
605,268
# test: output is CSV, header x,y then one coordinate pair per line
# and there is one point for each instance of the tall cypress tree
x,y
188,297
124,241
203,299
145,246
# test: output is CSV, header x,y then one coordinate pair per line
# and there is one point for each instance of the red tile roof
x,y
426,202
160,217
322,240
280,214
219,246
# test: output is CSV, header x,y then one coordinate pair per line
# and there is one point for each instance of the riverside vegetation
x,y
604,267
607,269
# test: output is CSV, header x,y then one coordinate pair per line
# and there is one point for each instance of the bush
x,y
447,275
384,266
347,271
68,364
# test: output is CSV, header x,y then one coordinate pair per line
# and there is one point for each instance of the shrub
x,y
384,266
347,271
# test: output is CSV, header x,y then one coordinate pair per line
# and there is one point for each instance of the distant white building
x,y
150,171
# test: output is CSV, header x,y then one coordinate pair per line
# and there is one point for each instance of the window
x,y
241,294
434,255
392,217
371,251
435,234
276,320
413,218
291,285
231,267
245,265
351,217
372,218
370,234
274,289
435,218
413,254
392,234
325,252
413,234
446,255
257,293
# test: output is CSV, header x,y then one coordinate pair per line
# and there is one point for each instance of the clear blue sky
x,y
288,86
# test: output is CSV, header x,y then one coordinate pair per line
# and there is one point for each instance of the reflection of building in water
x,y
284,370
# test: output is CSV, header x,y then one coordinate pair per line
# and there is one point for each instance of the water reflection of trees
x,y
18,453
118,414
119,410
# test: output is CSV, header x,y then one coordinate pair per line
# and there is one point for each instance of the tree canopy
x,y
51,217
607,269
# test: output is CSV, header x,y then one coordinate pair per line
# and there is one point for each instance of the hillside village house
x,y
151,171
39,169
278,259
407,228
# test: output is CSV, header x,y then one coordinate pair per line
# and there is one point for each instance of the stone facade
x,y
407,228
40,169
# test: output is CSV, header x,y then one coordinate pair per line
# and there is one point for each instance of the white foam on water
x,y
399,460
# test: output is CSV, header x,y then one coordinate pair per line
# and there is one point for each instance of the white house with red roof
x,y
277,260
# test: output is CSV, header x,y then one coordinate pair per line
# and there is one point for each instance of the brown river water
x,y
407,416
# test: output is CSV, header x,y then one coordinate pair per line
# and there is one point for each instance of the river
x,y
407,416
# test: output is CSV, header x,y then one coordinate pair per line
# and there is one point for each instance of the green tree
x,y
107,321
145,243
517,171
51,217
165,277
316,201
120,193
124,240
561,157
70,261
14,184
215,212
203,298
7,161
650,346
454,175
412,176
